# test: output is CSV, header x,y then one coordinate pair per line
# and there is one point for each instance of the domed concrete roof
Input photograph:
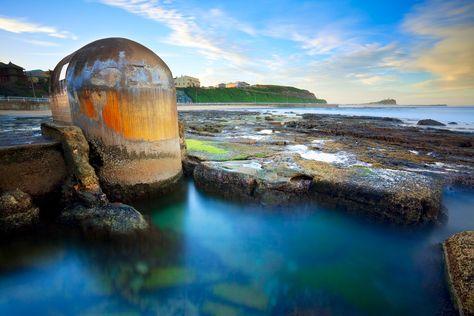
x,y
122,95
114,63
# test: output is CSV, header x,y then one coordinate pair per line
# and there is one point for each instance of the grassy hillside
x,y
258,93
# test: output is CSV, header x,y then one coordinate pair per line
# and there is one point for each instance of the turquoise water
x,y
212,257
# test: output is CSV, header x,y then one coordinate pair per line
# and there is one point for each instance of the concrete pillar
x,y
123,97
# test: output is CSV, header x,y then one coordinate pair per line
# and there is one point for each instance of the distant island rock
x,y
384,101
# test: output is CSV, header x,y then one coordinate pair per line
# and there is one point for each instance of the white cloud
x,y
22,26
444,30
41,43
340,60
220,19
186,31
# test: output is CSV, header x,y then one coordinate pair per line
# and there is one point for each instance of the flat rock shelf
x,y
375,166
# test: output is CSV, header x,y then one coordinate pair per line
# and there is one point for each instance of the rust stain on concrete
x,y
87,105
123,97
139,116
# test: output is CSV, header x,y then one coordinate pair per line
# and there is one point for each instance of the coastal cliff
x,y
251,94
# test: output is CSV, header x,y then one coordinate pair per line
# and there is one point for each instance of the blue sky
x,y
418,52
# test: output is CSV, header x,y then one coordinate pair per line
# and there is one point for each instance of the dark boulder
x,y
430,122
113,218
17,211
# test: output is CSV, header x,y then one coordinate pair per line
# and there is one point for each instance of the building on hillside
x,y
186,82
221,85
237,84
11,73
38,76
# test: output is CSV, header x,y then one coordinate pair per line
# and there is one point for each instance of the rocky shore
x,y
53,177
459,258
375,166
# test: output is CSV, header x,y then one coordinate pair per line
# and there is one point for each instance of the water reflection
x,y
210,257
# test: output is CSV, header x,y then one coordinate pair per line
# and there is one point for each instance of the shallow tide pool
x,y
213,257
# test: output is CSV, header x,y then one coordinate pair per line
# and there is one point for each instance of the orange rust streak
x,y
111,112
87,106
141,116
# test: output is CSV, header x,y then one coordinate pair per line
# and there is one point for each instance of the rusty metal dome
x,y
123,97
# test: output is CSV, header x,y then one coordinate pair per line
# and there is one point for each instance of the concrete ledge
x,y
23,105
37,169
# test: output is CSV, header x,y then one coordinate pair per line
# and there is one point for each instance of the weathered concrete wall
x,y
37,169
23,105
122,96
60,107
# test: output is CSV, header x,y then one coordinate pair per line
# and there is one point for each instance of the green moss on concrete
x,y
224,151
204,146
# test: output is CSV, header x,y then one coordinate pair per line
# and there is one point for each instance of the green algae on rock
x,y
245,295
164,277
204,146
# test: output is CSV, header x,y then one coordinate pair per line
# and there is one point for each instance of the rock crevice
x,y
85,204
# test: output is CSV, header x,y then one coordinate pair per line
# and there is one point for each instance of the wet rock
x,y
459,260
86,206
182,142
189,163
430,122
396,196
206,128
84,184
113,218
17,211
369,165
37,169
453,123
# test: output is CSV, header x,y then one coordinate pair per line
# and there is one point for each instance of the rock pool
x,y
213,257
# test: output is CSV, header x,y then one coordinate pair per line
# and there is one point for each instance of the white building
x,y
237,84
186,82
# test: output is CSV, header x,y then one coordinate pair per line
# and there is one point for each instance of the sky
x,y
348,51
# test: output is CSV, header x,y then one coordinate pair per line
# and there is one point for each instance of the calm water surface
x,y
463,116
213,257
